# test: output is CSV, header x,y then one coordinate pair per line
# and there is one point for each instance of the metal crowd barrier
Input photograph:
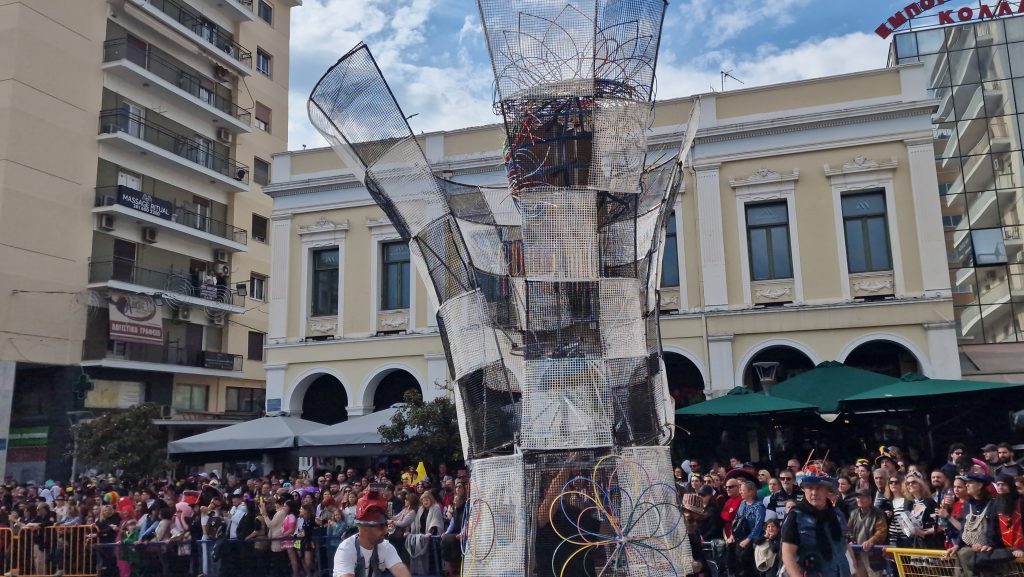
x,y
235,558
38,553
933,563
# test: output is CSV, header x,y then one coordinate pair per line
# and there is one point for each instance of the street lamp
x,y
766,374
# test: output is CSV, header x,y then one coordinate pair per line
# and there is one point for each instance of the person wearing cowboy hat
x,y
368,553
814,534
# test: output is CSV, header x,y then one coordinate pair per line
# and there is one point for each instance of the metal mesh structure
x,y
547,289
496,525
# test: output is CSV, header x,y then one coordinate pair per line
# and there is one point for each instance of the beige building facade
x,y
807,229
135,139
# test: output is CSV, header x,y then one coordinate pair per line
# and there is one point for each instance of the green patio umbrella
x,y
742,401
916,386
826,385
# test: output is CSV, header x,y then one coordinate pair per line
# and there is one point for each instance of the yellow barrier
x,y
933,563
35,553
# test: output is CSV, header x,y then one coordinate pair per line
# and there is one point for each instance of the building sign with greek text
x,y
943,17
135,318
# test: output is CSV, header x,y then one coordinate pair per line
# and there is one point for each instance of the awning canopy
x,y
258,434
742,401
356,434
915,386
826,385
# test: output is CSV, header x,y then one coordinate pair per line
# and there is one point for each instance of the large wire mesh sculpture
x,y
548,289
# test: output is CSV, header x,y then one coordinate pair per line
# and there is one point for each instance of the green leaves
x,y
125,442
425,431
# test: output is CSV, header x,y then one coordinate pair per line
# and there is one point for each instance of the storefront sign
x,y
143,202
965,14
114,394
221,361
135,318
28,436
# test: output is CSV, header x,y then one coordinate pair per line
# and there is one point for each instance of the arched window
x,y
685,382
885,357
392,388
325,401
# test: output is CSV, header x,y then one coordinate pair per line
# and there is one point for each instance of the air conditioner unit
x,y
166,412
221,269
221,73
224,135
105,222
218,321
148,234
108,200
183,313
220,255
241,174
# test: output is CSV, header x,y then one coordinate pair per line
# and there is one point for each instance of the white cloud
x,y
769,65
725,20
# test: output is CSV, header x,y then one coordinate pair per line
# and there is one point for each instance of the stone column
x,y
720,362
712,244
930,239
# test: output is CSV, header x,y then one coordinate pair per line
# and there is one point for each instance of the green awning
x,y
829,383
915,386
741,401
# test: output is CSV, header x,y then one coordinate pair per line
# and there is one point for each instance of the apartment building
x,y
135,141
808,229
976,72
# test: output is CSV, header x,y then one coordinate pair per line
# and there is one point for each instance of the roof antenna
x,y
728,74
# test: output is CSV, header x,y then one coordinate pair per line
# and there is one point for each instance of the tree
x,y
124,441
424,431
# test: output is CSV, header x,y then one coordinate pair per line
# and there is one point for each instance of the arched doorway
x,y
325,401
392,387
791,361
885,357
685,381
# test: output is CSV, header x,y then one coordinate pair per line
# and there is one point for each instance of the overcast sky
x,y
433,55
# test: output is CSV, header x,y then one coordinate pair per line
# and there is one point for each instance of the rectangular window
x,y
325,282
264,62
262,117
266,12
255,346
260,171
867,233
258,287
394,283
670,261
768,241
242,400
259,227
190,397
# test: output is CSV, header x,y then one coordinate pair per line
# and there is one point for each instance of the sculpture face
x,y
547,288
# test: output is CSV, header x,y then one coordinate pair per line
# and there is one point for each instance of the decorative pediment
x,y
324,225
862,163
765,175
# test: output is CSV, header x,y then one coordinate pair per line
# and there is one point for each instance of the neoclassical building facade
x,y
808,229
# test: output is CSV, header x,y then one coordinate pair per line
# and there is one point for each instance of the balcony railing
x,y
198,152
205,29
177,75
169,354
108,195
198,285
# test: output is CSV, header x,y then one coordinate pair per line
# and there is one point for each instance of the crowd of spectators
x,y
279,525
290,525
969,506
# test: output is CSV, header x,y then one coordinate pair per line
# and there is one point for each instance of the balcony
x,y
168,216
168,358
213,40
134,134
234,10
151,68
193,290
